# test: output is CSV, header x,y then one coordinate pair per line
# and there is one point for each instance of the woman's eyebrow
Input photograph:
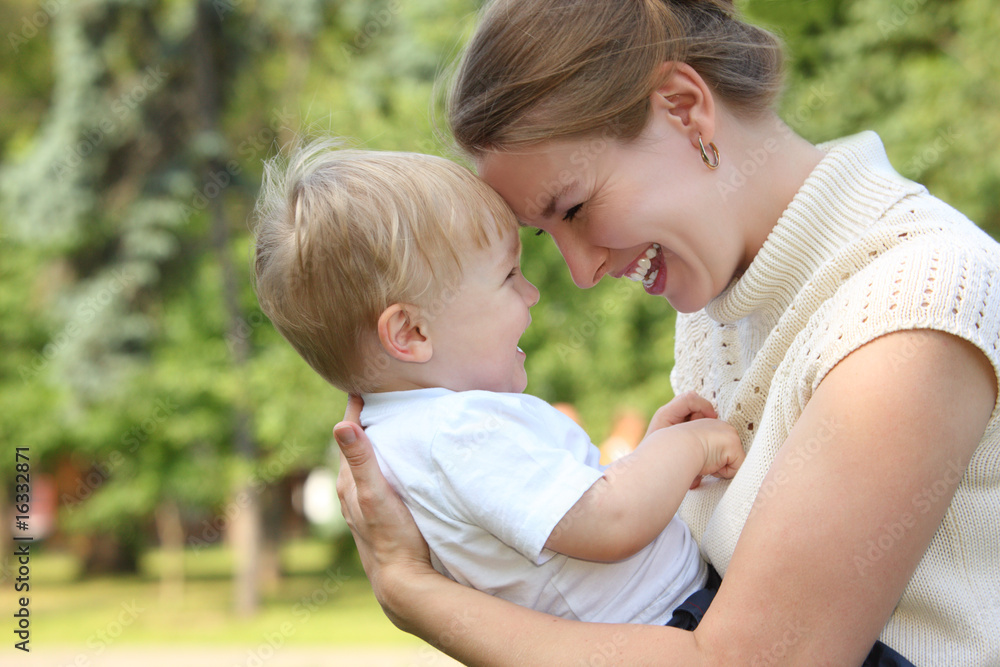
x,y
550,207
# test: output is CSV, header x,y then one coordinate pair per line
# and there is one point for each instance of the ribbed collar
x,y
384,405
851,188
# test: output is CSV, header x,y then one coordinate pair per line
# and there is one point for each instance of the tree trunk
x,y
246,526
170,531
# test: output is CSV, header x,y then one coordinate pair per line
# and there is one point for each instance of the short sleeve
x,y
949,285
513,466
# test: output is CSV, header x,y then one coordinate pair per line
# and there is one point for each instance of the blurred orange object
x,y
625,435
568,410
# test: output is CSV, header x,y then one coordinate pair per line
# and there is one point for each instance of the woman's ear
x,y
686,100
403,335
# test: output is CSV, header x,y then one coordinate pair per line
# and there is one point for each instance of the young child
x,y
397,277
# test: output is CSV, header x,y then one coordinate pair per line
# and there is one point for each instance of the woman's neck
x,y
764,165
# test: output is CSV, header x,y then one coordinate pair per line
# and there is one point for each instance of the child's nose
x,y
532,294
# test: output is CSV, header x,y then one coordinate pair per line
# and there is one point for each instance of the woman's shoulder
x,y
924,268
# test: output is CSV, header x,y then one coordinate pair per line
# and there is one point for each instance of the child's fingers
x,y
686,407
689,405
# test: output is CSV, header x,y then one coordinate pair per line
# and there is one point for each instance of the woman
x,y
845,321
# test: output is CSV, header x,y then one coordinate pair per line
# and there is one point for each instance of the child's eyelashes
x,y
572,211
539,232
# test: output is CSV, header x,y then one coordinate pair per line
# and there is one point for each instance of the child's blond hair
x,y
343,234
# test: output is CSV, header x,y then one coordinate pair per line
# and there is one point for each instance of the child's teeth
x,y
644,264
651,253
648,282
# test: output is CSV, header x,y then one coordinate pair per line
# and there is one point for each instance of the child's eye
x,y
571,213
540,232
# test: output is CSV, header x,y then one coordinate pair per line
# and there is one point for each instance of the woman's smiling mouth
x,y
646,268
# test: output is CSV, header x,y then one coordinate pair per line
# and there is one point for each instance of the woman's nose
x,y
587,263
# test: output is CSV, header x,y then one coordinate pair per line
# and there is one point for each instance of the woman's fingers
x,y
353,411
383,527
360,483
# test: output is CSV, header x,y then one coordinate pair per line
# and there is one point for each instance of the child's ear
x,y
403,334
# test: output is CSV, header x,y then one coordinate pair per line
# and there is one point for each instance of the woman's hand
x,y
391,548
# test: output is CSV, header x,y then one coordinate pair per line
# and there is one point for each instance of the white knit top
x,y
859,253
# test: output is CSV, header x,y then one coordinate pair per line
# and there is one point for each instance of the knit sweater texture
x,y
860,252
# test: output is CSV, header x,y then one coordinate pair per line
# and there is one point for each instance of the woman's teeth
x,y
642,267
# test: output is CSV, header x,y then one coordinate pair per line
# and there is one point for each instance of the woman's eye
x,y
571,213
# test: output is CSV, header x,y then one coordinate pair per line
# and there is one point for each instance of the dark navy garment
x,y
688,615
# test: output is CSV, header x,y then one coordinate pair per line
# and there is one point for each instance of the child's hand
x,y
722,447
684,408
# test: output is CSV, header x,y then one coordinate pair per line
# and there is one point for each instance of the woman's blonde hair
x,y
538,70
343,234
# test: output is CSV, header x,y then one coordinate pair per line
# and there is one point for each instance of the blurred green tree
x,y
131,140
921,73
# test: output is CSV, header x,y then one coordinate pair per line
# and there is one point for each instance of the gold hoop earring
x,y
704,154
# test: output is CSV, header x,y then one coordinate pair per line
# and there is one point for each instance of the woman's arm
x,y
901,428
899,424
471,626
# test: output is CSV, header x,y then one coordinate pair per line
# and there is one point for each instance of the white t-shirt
x,y
488,476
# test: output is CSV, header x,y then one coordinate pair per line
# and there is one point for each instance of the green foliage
x,y
120,355
921,73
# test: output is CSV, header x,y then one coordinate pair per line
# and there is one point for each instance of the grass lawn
x,y
311,606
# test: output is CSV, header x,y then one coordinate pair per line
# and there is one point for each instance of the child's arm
x,y
640,493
